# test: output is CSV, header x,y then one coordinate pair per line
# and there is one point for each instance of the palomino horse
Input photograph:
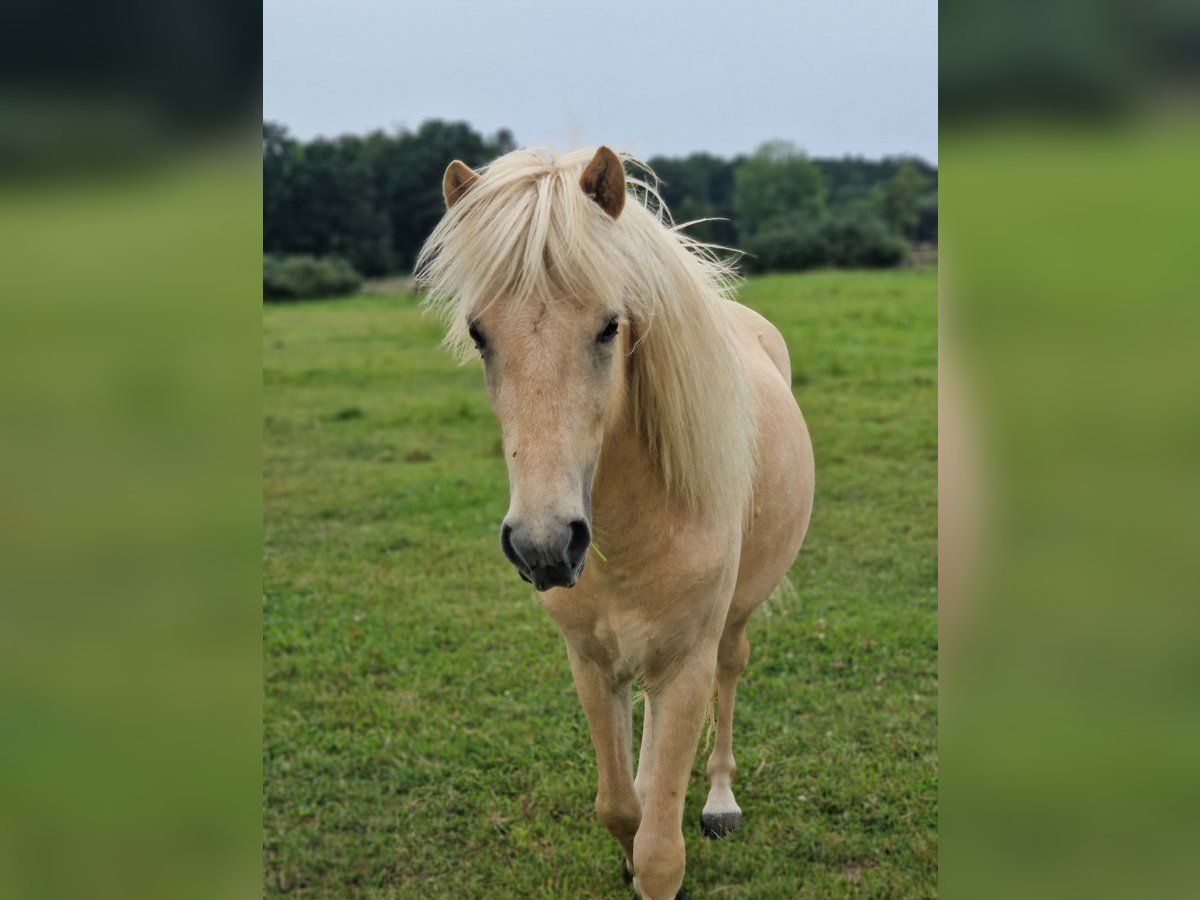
x,y
640,405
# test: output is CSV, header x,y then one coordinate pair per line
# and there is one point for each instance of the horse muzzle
x,y
547,557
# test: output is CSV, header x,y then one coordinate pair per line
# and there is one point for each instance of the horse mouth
x,y
543,578
545,568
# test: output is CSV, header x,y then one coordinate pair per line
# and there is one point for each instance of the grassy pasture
x,y
422,735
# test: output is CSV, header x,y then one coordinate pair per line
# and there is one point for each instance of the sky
x,y
667,77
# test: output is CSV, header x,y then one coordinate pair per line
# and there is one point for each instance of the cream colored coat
x,y
684,565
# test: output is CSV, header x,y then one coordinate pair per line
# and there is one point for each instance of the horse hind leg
x,y
722,815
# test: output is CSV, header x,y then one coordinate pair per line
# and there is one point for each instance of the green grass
x,y
423,738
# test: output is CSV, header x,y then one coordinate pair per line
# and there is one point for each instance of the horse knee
x,y
620,815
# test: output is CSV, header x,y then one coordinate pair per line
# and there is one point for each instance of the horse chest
x,y
629,645
631,636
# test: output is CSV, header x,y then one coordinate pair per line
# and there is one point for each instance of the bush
x,y
308,277
844,242
786,250
862,243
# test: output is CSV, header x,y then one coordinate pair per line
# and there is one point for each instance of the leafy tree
x,y
699,187
409,170
333,206
373,199
280,154
902,196
927,222
854,182
777,186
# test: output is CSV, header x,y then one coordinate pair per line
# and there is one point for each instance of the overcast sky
x,y
656,77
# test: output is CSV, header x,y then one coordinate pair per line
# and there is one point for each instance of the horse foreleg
x,y
679,706
646,753
721,814
607,707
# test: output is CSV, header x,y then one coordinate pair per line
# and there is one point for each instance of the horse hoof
x,y
717,825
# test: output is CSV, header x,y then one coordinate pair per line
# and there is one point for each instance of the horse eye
x,y
477,337
609,332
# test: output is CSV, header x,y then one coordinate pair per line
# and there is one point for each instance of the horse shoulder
x,y
759,335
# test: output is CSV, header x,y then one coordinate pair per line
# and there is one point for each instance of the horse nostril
x,y
577,546
547,563
506,544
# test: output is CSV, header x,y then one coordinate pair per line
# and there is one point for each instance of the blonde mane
x,y
526,231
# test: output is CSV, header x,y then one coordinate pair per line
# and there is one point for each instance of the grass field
x,y
422,735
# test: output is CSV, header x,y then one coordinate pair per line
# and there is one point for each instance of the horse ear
x,y
604,181
457,181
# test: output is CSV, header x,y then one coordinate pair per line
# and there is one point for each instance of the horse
x,y
645,416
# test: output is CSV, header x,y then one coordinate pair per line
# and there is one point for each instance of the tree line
x,y
372,199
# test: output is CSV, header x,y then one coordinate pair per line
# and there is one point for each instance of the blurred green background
x,y
1069,430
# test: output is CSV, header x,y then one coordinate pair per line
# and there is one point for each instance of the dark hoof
x,y
720,824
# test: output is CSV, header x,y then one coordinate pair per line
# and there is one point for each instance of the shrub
x,y
308,277
786,250
845,242
862,243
